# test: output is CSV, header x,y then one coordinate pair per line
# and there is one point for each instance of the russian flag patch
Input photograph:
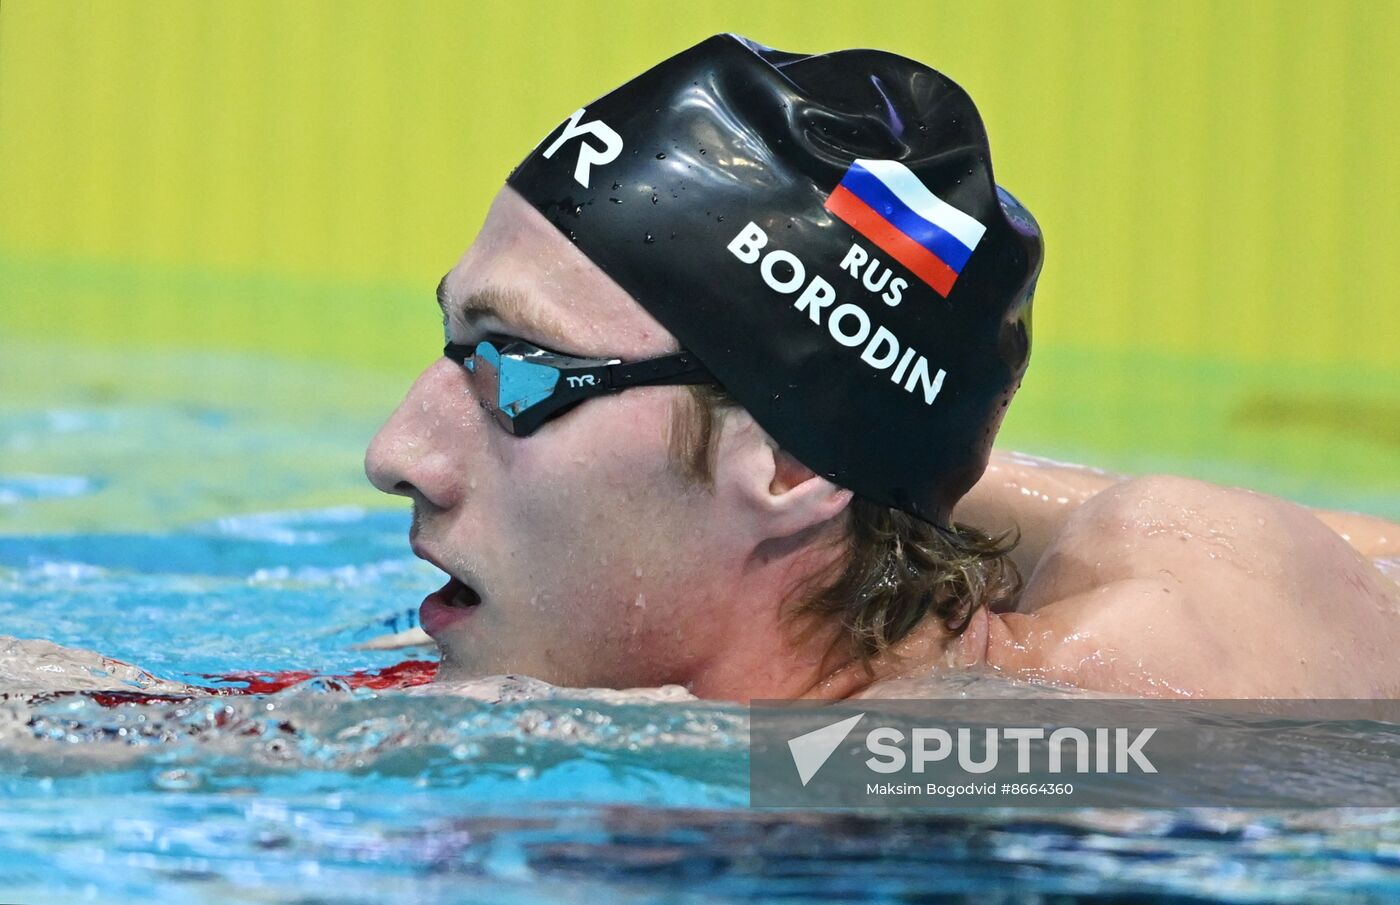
x,y
886,203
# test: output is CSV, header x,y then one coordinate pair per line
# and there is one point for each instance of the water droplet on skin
x,y
661,155
641,602
472,483
648,239
719,219
702,150
615,200
616,186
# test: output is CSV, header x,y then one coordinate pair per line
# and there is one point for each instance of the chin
x,y
458,665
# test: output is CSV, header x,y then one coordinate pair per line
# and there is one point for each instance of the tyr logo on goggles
x,y
525,385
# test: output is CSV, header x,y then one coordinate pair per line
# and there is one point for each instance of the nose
x,y
422,451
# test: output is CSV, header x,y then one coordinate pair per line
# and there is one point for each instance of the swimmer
x,y
721,377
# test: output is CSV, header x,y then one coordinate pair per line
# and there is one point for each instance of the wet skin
x,y
1168,587
596,563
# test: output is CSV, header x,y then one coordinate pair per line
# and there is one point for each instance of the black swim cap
x,y
825,234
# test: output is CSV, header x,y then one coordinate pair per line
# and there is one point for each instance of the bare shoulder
x,y
1171,586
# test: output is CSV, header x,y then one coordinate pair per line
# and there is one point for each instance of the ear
x,y
781,496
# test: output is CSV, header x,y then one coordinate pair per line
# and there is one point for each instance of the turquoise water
x,y
326,793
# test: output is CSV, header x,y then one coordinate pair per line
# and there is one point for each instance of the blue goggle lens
x,y
513,382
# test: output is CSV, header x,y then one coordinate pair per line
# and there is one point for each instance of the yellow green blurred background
x,y
240,210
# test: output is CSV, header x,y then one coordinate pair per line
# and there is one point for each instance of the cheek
x,y
615,446
597,493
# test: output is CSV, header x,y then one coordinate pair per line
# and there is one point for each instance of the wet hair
x,y
893,570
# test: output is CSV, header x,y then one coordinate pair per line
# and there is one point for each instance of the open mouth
x,y
457,594
447,606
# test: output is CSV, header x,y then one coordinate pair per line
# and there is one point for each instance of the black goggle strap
x,y
676,369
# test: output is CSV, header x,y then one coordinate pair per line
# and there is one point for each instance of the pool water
x,y
504,792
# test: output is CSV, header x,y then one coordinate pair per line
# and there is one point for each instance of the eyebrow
x,y
514,309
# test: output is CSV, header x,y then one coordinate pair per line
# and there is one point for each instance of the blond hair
x,y
892,570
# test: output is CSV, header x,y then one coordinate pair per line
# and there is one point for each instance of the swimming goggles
x,y
525,385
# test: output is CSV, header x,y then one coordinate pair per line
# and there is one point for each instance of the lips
x,y
447,606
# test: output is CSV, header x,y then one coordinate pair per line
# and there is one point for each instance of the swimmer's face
x,y
593,558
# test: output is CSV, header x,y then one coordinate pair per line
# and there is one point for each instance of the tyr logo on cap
x,y
885,202
588,154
